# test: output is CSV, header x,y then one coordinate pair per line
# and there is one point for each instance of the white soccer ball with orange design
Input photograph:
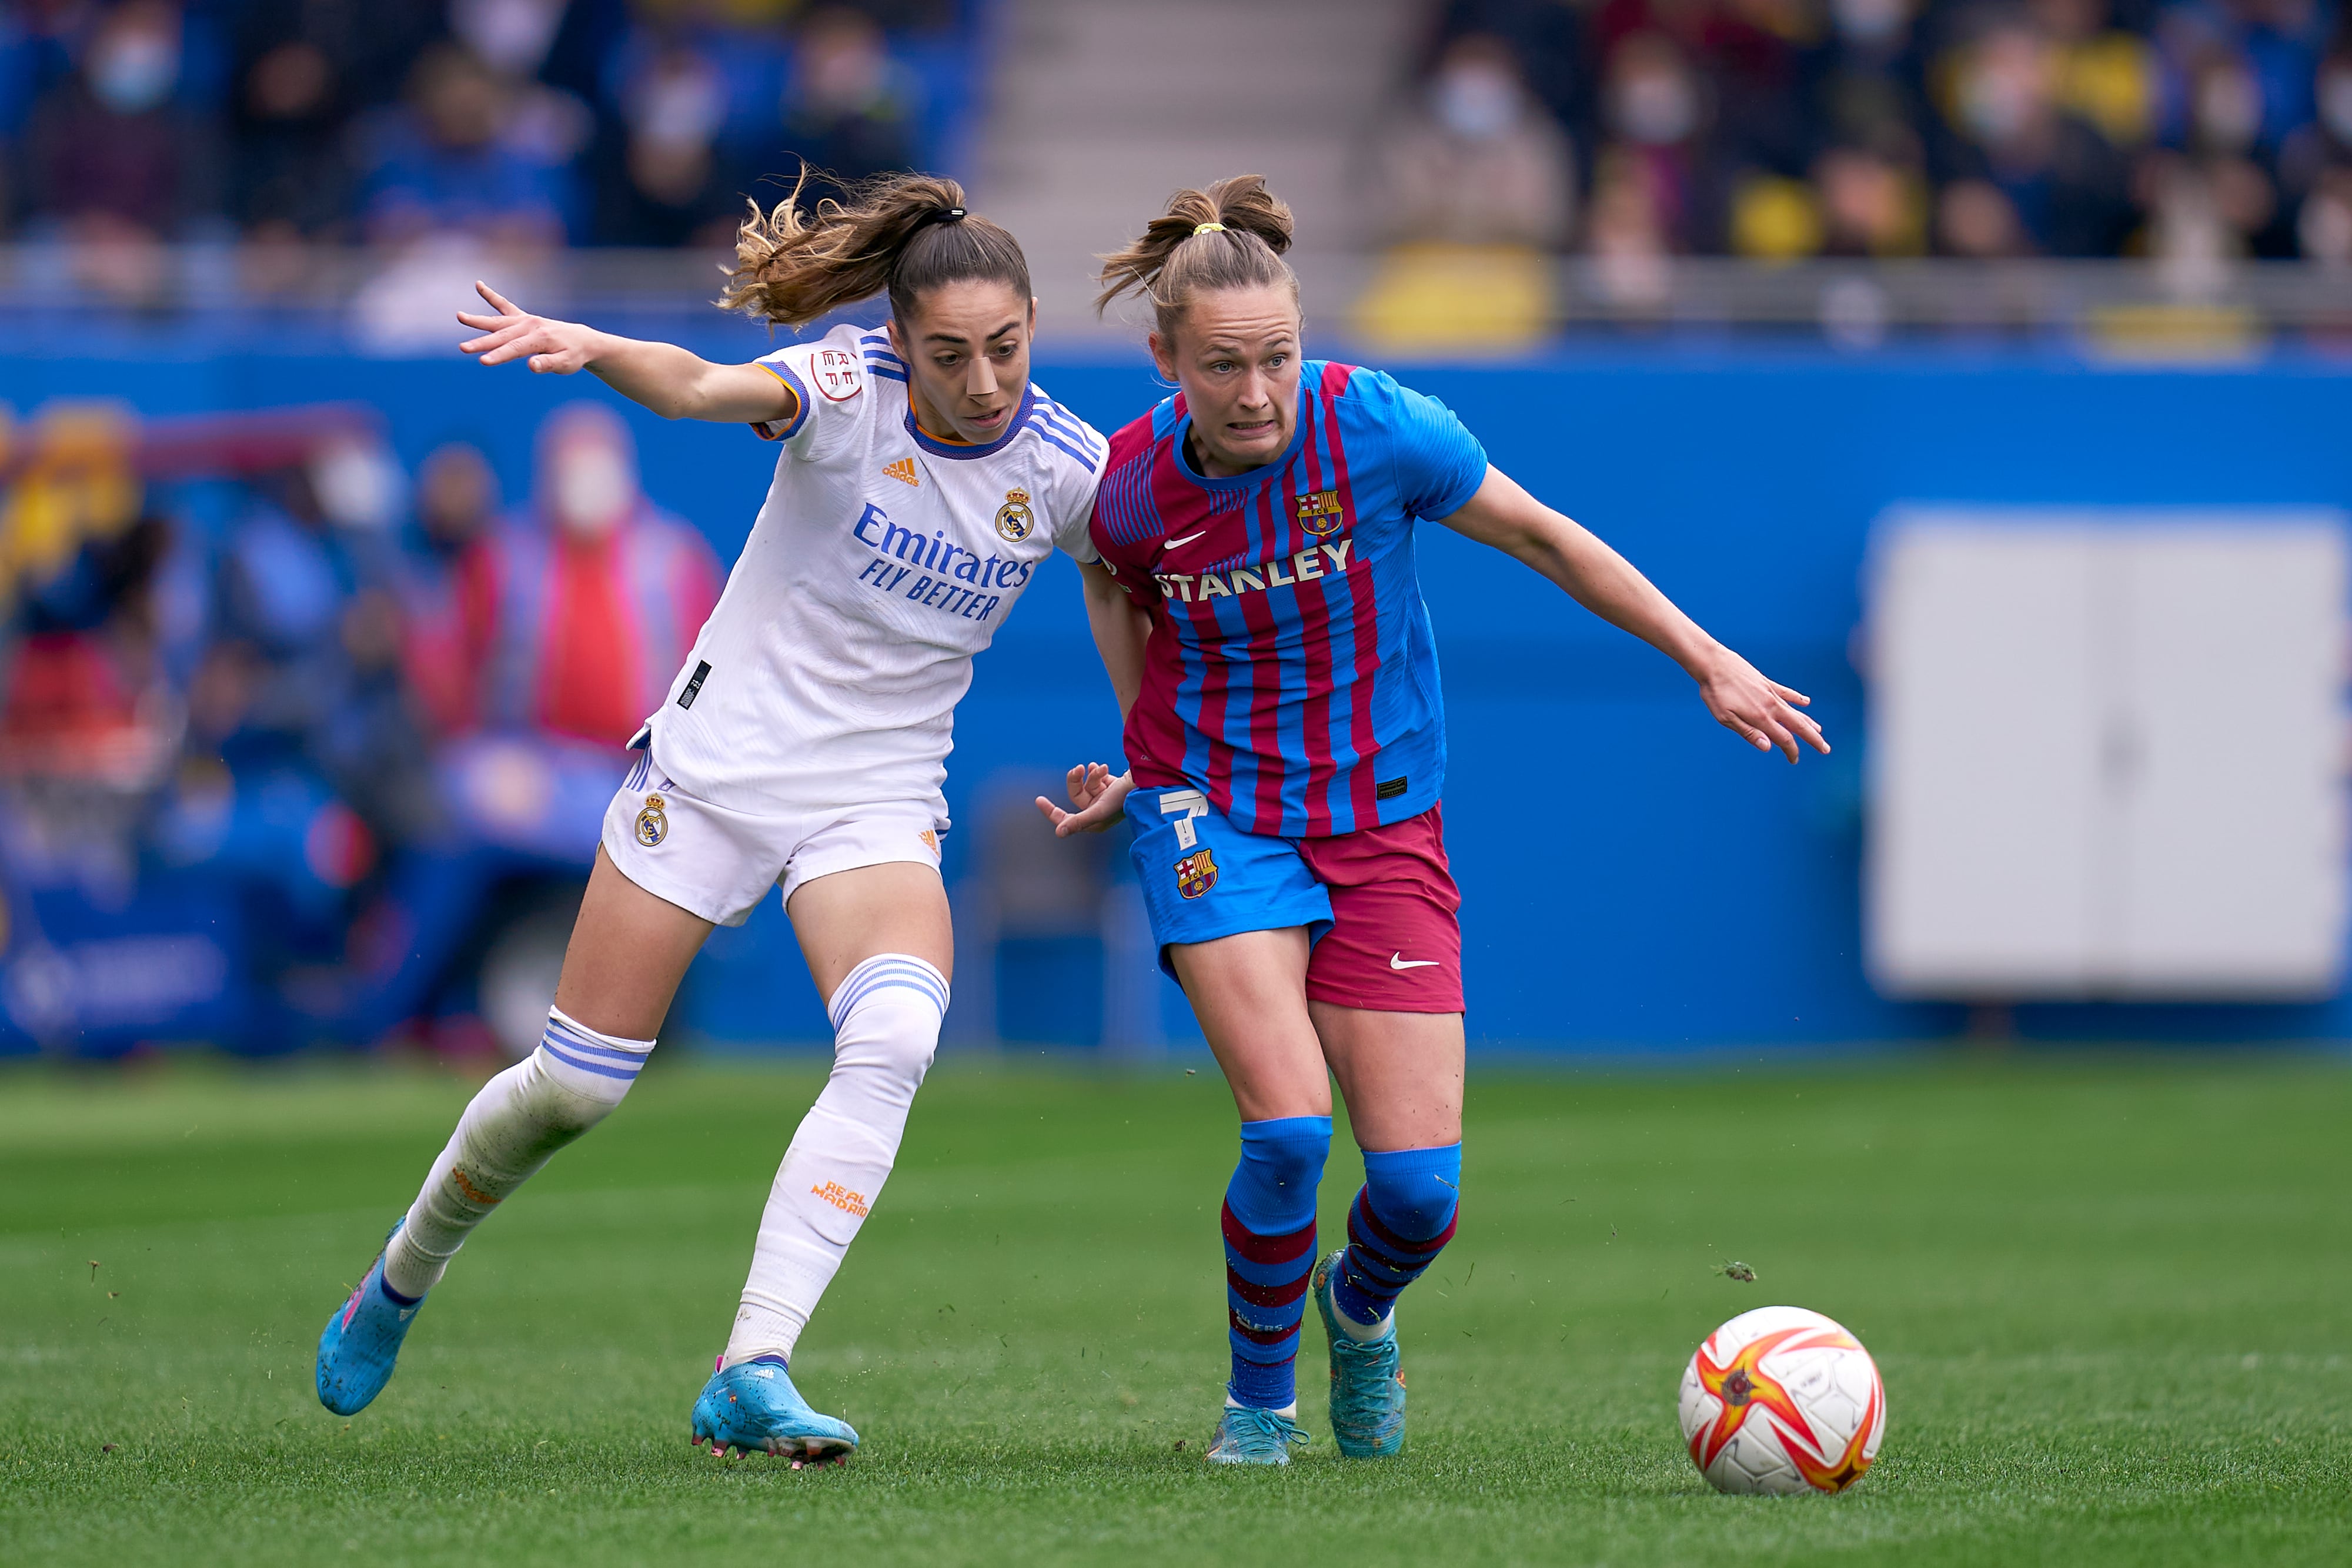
x,y
1782,1400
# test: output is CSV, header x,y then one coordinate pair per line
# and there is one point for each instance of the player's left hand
x,y
1764,713
552,348
1099,797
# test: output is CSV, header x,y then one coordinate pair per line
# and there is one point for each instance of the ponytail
x,y
906,234
1231,235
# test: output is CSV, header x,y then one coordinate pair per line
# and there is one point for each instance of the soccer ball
x,y
1782,1400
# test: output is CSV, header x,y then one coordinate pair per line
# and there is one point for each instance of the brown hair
x,y
907,234
1175,260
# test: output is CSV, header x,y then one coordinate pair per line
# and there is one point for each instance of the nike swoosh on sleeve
x,y
1398,961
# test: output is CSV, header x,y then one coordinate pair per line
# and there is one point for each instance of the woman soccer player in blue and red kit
x,y
1259,614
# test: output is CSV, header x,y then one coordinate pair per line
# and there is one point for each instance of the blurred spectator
x,y
2314,164
304,673
1627,235
86,695
290,174
545,124
1742,58
1655,110
2109,76
2324,224
447,595
848,110
598,593
446,161
2011,143
309,539
110,153
511,36
2278,44
1864,82
301,71
1872,205
664,182
1774,218
1548,40
1477,163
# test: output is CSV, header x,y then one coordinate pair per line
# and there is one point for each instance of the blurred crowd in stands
x,y
527,122
1770,129
2180,129
252,655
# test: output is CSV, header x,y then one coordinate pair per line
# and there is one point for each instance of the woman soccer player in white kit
x,y
922,480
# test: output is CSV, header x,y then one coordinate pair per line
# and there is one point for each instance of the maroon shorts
x,y
1395,942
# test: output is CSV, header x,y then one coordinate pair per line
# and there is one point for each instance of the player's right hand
x,y
552,348
1099,797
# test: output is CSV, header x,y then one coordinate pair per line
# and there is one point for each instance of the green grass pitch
x,y
2112,1300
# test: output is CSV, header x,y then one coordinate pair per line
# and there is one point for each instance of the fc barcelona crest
x,y
1196,874
1015,519
653,822
1318,512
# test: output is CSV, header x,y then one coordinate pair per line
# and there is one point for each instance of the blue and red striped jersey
x,y
1291,676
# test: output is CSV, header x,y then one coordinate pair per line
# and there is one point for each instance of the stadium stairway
x,y
1099,109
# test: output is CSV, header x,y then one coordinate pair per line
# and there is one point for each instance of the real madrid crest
x,y
653,823
1013,519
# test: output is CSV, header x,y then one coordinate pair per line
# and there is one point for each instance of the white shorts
x,y
720,863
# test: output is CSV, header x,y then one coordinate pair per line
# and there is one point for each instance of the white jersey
x,y
883,561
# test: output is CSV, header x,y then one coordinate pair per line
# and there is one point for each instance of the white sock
x,y
1288,1412
885,1024
513,1128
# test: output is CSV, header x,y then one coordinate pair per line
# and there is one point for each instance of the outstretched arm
x,y
1763,712
663,377
1120,629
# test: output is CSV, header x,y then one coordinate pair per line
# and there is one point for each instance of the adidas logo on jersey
x,y
902,470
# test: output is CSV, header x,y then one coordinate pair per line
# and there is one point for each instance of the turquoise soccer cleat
x,y
362,1341
753,1405
1367,1388
1253,1437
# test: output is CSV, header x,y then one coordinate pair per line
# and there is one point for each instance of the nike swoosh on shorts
x,y
1398,961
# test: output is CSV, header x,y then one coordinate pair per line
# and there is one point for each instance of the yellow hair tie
x,y
1198,229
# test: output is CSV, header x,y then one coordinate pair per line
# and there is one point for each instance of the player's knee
x,y
895,1038
1272,1189
886,1016
579,1075
1414,1192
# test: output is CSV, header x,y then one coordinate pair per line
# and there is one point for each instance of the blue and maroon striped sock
x,y
1399,1223
1269,1224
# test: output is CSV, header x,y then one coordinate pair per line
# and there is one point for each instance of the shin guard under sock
x,y
1269,1224
1401,1221
513,1126
886,1019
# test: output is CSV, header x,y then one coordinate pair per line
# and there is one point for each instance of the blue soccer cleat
x,y
362,1341
753,1405
1255,1437
1367,1388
